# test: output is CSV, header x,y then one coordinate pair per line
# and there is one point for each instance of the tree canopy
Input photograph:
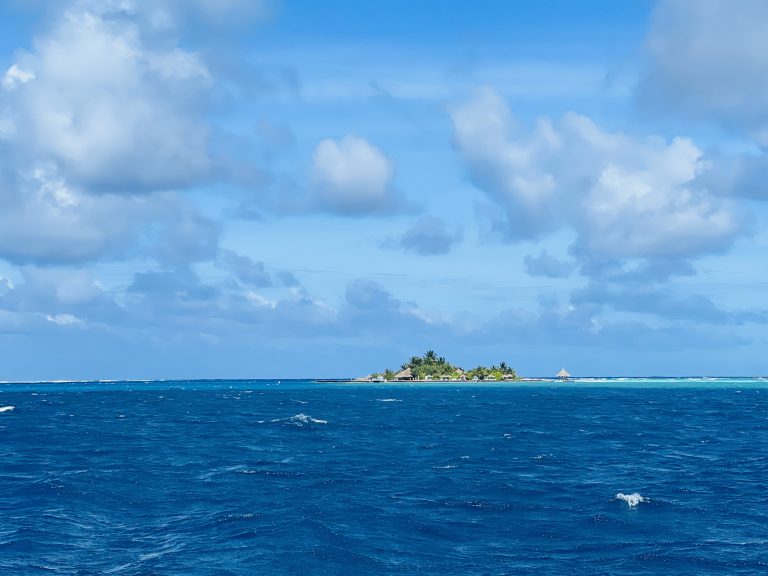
x,y
430,366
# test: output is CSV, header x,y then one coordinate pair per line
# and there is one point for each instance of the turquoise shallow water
x,y
296,477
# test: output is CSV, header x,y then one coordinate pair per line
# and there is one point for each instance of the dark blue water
x,y
298,478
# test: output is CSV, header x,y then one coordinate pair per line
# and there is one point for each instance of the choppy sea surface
x,y
598,476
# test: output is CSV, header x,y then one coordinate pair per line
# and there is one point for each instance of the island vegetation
x,y
430,366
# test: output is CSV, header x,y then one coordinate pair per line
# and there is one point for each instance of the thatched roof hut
x,y
404,375
563,375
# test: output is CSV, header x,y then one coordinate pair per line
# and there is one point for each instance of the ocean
x,y
214,478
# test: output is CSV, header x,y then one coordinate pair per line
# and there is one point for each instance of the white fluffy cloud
x,y
353,177
707,59
509,170
43,219
15,76
706,63
101,125
624,197
113,112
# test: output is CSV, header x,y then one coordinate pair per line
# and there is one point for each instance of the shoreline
x,y
433,381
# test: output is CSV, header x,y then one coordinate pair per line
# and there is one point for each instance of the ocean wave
x,y
388,400
632,500
300,420
7,408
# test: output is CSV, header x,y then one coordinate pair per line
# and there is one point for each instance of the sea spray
x,y
298,420
632,500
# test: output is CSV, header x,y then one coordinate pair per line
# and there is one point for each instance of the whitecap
x,y
388,400
300,420
632,500
7,408
305,419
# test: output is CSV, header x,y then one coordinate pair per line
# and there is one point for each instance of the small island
x,y
431,367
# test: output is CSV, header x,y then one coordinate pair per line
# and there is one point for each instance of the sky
x,y
301,188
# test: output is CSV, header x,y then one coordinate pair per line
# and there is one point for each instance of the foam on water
x,y
632,500
7,408
300,419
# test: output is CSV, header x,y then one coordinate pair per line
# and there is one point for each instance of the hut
x,y
563,375
404,375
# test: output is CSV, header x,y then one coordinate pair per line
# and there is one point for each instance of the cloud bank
x,y
624,197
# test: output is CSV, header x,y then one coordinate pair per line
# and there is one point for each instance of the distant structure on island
x,y
404,375
563,375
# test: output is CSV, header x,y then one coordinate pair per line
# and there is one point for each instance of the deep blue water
x,y
236,478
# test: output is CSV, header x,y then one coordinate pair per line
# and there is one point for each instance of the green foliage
x,y
430,365
434,367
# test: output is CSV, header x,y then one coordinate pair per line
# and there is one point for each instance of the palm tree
x,y
430,356
414,361
504,367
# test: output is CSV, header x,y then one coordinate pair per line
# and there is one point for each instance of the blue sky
x,y
291,188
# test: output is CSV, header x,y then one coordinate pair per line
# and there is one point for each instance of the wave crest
x,y
300,419
632,500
